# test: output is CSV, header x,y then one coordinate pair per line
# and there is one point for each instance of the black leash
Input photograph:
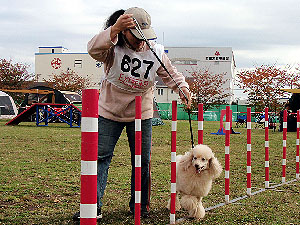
x,y
191,129
139,30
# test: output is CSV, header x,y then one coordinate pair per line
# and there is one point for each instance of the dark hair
x,y
112,20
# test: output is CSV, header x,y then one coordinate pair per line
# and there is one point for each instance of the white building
x,y
217,60
163,94
54,60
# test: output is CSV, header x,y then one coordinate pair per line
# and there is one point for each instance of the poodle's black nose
x,y
198,167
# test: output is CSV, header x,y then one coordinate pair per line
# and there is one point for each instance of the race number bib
x,y
134,71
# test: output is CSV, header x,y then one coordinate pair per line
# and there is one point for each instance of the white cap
x,y
144,20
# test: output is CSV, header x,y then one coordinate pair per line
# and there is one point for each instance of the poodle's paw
x,y
194,207
200,211
199,214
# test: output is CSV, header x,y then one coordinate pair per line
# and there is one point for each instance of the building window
x,y
184,62
160,91
78,63
52,50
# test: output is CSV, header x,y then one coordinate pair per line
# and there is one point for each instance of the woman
x,y
130,70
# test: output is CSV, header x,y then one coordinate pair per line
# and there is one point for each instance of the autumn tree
x,y
264,83
68,81
15,76
294,77
207,88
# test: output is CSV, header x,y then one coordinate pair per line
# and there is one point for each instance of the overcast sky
x,y
259,31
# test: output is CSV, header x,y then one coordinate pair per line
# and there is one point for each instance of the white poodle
x,y
195,172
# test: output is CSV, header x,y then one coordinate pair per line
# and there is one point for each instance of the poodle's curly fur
x,y
195,172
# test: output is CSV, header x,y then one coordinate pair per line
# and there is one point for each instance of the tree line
x,y
263,84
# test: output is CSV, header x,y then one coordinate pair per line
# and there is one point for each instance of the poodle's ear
x,y
215,167
186,160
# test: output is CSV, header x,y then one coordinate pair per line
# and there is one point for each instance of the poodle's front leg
x,y
191,204
200,211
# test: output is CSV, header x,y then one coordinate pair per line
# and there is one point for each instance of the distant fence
x,y
212,114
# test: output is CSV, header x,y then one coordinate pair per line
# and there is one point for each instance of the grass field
x,y
40,177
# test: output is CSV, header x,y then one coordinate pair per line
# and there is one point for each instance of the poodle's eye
x,y
203,159
194,158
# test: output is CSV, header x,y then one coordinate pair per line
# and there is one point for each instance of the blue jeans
x,y
109,134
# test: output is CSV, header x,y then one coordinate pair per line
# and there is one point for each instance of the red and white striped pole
x,y
227,156
297,145
138,159
200,123
267,164
173,162
248,151
284,133
89,153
